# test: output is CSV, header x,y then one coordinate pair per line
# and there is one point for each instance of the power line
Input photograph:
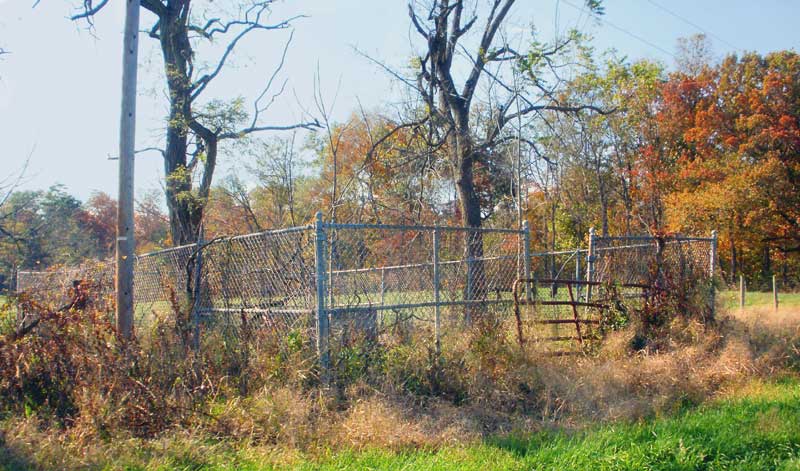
x,y
625,31
690,23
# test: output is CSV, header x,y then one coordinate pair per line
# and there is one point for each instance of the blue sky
x,y
60,86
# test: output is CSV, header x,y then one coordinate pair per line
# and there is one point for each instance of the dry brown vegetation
x,y
71,390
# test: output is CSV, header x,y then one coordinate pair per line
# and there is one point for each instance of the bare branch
x,y
415,21
385,67
89,10
257,109
249,130
200,84
493,23
140,151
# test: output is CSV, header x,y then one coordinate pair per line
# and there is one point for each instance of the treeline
x,y
41,229
710,145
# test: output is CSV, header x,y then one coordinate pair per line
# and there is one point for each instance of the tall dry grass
x,y
72,394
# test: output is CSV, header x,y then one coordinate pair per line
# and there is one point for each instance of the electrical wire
x,y
690,23
625,31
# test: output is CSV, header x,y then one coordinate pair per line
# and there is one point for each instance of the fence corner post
x,y
712,271
526,250
436,308
742,290
590,264
323,322
775,291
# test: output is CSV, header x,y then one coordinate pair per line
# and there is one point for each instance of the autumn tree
x,y
100,217
601,155
151,224
738,143
383,170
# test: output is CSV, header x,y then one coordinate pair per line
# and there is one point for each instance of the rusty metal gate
x,y
571,304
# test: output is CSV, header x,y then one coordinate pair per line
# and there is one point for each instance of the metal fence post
x,y
468,293
775,291
590,264
331,252
196,290
13,285
323,326
712,270
526,229
383,286
741,291
436,310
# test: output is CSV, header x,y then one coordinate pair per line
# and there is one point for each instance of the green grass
x,y
759,429
757,432
730,299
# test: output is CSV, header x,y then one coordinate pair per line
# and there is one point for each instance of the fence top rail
x,y
287,230
648,245
59,271
337,225
163,251
671,238
560,252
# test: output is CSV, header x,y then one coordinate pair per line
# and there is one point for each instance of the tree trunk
x,y
174,48
766,263
185,208
476,284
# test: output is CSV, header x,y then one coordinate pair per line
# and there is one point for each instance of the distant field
x,y
730,299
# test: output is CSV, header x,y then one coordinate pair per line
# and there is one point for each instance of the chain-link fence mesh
x,y
62,286
647,259
266,280
411,279
386,282
559,265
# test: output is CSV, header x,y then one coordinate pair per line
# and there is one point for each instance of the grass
x,y
756,427
707,438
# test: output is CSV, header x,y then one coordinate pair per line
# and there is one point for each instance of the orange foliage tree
x,y
735,130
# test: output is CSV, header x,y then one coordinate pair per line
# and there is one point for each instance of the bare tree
x,y
450,98
694,54
195,128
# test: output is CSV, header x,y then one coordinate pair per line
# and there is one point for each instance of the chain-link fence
x,y
421,281
336,281
636,259
60,285
683,266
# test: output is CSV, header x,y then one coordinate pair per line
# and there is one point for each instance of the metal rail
x,y
572,303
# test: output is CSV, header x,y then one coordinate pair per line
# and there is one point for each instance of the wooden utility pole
x,y
127,132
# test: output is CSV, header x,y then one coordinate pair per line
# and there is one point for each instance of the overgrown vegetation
x,y
72,394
